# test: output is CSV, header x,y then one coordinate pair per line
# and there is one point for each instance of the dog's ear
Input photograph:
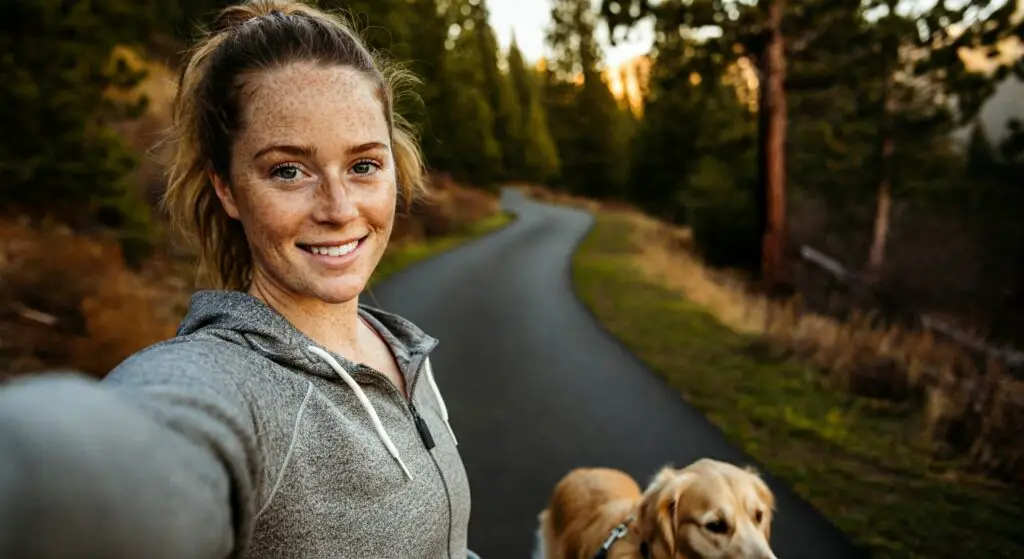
x,y
764,493
657,517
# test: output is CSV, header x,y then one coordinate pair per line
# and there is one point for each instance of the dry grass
x,y
451,211
970,409
69,301
544,194
863,461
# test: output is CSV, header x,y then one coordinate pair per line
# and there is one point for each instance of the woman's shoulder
x,y
183,361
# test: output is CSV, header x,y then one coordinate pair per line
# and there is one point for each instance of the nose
x,y
334,202
757,545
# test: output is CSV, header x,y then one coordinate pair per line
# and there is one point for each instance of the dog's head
x,y
708,510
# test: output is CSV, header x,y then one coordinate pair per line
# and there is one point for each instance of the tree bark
x,y
773,83
883,206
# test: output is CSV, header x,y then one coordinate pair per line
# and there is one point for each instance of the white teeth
x,y
335,250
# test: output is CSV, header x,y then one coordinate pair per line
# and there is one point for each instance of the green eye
x,y
286,172
365,167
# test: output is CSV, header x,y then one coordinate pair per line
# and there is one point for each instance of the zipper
x,y
421,427
428,442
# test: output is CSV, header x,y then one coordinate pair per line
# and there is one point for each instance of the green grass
x,y
398,257
858,461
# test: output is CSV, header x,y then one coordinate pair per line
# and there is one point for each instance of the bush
x,y
723,216
79,305
59,75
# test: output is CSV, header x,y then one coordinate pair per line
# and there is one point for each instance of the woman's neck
x,y
336,327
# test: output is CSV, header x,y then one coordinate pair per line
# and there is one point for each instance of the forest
x,y
869,148
830,153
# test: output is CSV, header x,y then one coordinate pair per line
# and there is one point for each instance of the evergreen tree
x,y
540,156
582,112
754,31
57,69
472,140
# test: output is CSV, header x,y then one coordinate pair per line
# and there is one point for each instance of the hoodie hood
x,y
243,319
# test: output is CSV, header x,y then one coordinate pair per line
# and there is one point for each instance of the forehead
x,y
714,490
310,103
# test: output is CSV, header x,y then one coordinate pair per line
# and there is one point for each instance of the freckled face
x,y
312,181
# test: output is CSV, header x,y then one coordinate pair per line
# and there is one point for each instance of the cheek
x,y
268,217
707,544
380,205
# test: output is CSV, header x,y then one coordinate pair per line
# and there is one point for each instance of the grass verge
x,y
860,461
402,255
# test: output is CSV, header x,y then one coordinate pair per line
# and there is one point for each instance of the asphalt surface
x,y
535,386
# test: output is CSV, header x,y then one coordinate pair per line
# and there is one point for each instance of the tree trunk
x,y
773,80
883,207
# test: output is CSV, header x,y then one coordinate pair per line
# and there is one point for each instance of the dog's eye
x,y
717,526
758,516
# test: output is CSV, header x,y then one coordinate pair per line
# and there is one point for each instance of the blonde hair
x,y
254,36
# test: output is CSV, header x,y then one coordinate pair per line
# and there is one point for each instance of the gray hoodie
x,y
240,437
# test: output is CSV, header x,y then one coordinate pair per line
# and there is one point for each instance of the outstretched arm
x,y
91,470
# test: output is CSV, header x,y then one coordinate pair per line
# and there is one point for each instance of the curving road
x,y
535,386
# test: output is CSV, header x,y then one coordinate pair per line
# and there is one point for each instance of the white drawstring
x,y
365,402
440,400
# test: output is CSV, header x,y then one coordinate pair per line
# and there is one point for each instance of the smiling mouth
x,y
333,250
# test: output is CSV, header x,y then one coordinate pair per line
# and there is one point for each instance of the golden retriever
x,y
707,510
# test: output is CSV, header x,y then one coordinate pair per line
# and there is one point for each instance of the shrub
x,y
722,215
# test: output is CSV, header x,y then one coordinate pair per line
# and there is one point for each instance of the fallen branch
x,y
1005,354
1010,356
34,315
827,263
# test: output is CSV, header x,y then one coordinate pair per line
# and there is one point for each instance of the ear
x,y
655,514
764,493
227,198
657,510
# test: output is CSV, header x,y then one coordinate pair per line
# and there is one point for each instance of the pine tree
x,y
64,160
472,140
499,94
754,32
581,109
540,156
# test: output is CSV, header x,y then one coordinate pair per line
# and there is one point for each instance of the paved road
x,y
535,387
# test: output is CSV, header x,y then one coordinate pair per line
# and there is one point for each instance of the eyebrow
x,y
309,151
306,151
368,146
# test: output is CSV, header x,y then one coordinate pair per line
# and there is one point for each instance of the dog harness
x,y
617,533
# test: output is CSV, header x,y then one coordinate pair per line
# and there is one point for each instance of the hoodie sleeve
x,y
159,462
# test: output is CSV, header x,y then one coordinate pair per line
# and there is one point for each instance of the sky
x,y
529,19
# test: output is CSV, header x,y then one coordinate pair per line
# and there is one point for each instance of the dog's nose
x,y
758,547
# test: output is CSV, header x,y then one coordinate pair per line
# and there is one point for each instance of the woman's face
x,y
312,181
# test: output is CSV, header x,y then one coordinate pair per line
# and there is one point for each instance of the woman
x,y
284,419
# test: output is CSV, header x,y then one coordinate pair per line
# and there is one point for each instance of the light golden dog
x,y
708,510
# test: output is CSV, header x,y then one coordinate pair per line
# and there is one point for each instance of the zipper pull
x,y
421,426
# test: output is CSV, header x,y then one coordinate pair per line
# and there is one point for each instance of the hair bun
x,y
233,17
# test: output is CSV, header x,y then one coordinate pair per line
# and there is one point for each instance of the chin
x,y
337,292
